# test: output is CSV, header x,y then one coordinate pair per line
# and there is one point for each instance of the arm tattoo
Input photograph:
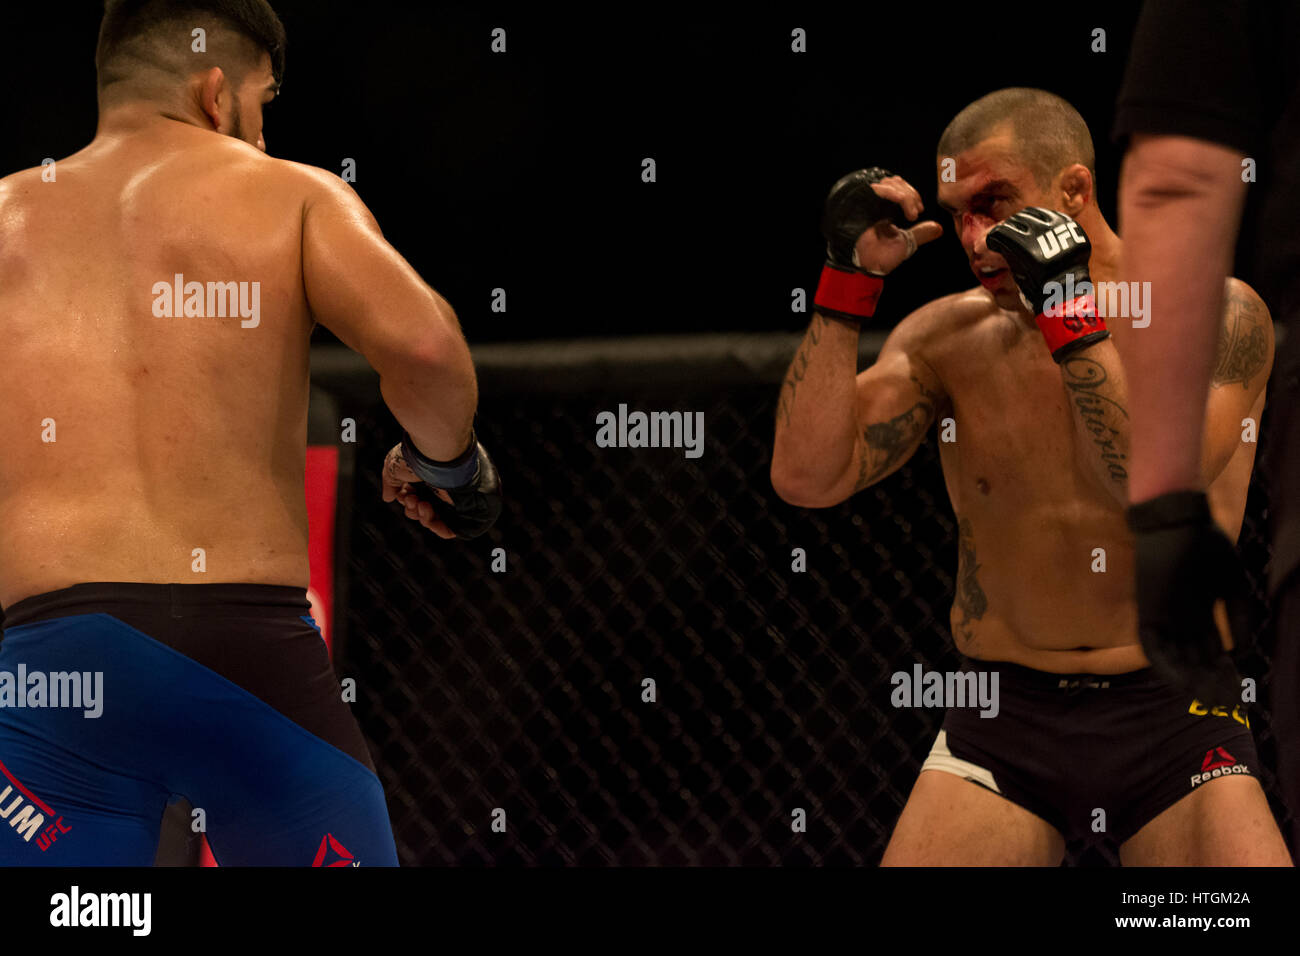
x,y
1243,342
1083,377
885,443
929,395
798,369
971,599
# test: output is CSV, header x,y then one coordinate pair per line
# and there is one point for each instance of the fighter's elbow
x,y
800,489
442,352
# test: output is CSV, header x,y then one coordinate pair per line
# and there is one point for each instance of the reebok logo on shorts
x,y
1218,763
340,857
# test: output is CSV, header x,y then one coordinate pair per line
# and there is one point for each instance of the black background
x,y
523,170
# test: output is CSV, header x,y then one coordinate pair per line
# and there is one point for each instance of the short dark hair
x,y
153,36
1049,133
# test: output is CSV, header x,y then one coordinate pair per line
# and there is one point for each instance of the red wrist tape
x,y
848,292
1074,320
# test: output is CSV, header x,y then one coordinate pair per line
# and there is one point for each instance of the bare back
x,y
170,433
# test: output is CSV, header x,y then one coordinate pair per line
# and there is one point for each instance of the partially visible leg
x,y
316,813
1224,822
246,718
67,796
273,793
70,812
1285,699
949,820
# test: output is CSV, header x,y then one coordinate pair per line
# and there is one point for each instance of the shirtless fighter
x,y
1037,481
153,529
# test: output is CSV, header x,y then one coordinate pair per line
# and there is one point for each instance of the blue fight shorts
x,y
117,698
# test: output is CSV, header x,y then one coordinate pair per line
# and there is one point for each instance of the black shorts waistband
x,y
1017,675
182,600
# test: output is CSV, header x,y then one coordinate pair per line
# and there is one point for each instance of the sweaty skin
x,y
181,433
1033,498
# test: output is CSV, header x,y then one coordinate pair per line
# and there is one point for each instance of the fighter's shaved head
x,y
1048,132
146,47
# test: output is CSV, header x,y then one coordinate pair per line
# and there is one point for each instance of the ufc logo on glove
x,y
1053,242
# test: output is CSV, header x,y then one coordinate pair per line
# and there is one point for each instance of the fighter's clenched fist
x,y
866,239
1042,248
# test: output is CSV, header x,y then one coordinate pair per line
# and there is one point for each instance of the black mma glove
x,y
1184,564
847,291
471,480
1042,246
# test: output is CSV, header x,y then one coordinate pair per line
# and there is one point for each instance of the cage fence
x,y
507,678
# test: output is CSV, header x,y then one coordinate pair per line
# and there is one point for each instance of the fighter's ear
x,y
212,87
1075,189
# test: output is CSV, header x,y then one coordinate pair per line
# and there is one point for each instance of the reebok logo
x,y
1216,758
1052,243
1218,763
336,852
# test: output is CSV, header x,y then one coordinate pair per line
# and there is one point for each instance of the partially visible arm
x,y
1101,389
360,288
1242,361
1180,207
1180,204
838,432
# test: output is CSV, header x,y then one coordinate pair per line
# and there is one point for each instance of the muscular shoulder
x,y
1244,355
928,335
939,326
320,187
25,200
16,189
309,190
15,182
941,318
246,168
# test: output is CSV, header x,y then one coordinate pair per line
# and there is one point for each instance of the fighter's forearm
x,y
1097,392
1180,201
434,403
816,417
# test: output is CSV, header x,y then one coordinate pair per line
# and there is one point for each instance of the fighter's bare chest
x,y
1008,418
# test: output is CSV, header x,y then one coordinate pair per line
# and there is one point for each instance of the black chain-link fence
x,y
524,689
